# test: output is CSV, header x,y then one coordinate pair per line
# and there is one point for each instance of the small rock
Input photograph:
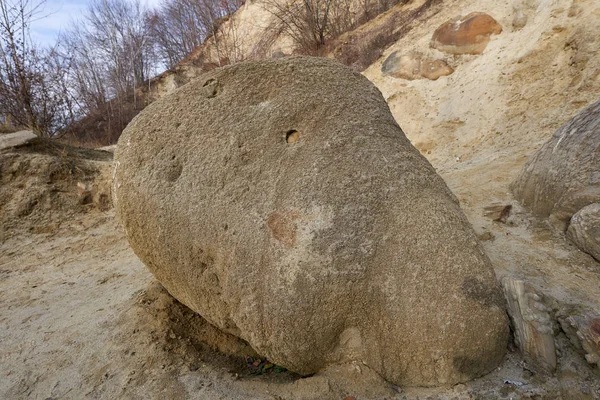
x,y
278,54
584,230
514,383
498,212
84,194
486,236
519,17
111,149
519,20
415,66
16,139
461,387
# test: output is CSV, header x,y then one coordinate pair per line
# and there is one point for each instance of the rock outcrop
x,y
44,183
415,66
584,230
15,139
465,35
582,327
282,202
531,324
564,175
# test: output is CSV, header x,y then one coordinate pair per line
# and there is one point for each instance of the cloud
x,y
54,17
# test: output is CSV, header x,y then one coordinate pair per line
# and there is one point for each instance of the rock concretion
x,y
532,325
564,175
465,35
584,230
415,66
282,202
582,326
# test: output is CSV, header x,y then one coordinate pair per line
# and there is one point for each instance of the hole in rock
x,y
292,136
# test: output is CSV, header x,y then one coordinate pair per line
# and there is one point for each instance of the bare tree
x,y
178,29
307,22
112,53
32,86
119,33
311,23
180,26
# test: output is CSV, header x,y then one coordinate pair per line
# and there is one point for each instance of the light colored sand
x,y
80,316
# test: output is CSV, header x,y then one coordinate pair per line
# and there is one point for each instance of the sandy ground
x,y
81,317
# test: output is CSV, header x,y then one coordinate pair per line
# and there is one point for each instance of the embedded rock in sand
x,y
415,66
465,35
16,139
563,176
584,230
282,202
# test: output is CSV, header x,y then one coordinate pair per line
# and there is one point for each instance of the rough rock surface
x,y
465,35
564,175
282,202
14,139
531,324
415,66
582,327
584,230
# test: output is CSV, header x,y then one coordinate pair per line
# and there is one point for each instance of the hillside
x,y
82,317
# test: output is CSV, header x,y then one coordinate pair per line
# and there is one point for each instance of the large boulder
x,y
282,202
465,35
564,175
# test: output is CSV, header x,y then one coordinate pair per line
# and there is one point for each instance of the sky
x,y
56,15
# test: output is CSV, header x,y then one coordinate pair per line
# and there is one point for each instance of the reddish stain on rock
x,y
282,226
595,326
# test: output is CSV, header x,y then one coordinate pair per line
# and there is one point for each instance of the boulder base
x,y
282,202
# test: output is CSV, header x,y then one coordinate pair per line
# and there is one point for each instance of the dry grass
x,y
63,150
9,129
103,127
363,46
